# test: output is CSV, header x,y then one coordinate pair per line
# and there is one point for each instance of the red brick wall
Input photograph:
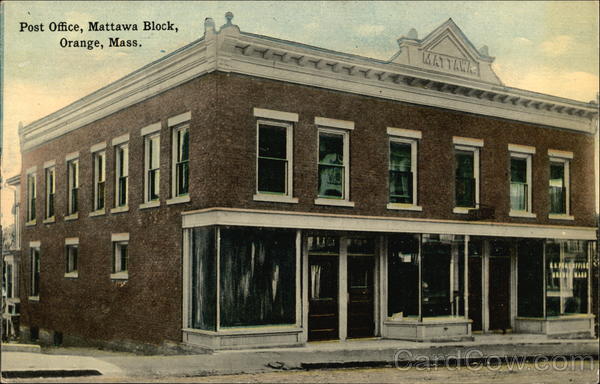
x,y
238,95
147,307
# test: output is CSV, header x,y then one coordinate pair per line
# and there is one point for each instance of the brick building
x,y
250,191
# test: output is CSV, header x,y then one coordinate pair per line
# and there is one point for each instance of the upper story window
x,y
99,163
72,252
403,169
466,173
274,156
34,252
120,257
31,196
559,184
73,186
50,191
333,162
152,167
520,180
121,174
181,160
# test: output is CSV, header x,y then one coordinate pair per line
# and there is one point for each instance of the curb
x,y
12,347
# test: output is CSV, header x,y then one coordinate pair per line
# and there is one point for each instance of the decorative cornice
x,y
230,50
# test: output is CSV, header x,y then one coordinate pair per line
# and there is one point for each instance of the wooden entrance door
x,y
499,293
323,319
475,293
361,321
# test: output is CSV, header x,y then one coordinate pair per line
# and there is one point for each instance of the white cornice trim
x,y
471,142
560,154
275,115
152,128
181,118
306,220
334,123
98,147
402,132
521,148
255,55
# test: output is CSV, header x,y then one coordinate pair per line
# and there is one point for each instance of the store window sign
x,y
564,270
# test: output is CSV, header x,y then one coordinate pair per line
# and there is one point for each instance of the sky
x,y
543,46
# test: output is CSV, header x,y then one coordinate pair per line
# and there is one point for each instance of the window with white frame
x,y
403,168
152,167
120,256
73,185
274,152
50,189
559,183
333,178
181,157
466,173
31,196
520,179
72,252
333,163
35,271
99,179
121,174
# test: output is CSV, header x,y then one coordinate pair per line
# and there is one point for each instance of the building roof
x,y
443,70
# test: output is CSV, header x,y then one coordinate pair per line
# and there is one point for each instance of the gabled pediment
x,y
446,49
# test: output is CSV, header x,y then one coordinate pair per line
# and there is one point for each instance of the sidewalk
x,y
314,355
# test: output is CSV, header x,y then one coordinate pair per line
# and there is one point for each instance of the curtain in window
x,y
204,279
465,179
331,165
557,188
518,184
257,277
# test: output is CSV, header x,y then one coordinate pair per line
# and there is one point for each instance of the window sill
x,y
72,275
525,214
119,276
34,298
334,202
73,216
560,216
275,198
31,223
462,210
150,204
98,212
49,220
179,200
124,208
404,207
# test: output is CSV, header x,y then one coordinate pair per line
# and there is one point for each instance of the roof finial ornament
x,y
412,34
209,25
229,17
484,50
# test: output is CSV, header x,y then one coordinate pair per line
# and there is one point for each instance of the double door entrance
x,y
341,287
490,285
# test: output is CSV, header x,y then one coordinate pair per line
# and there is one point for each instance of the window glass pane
x,y
401,177
361,246
204,279
518,170
403,275
183,144
272,175
323,279
530,278
258,276
442,283
331,181
557,188
331,148
465,180
567,268
154,152
272,142
323,245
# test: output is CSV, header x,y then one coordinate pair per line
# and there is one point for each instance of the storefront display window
x,y
530,278
257,276
204,279
403,276
567,277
